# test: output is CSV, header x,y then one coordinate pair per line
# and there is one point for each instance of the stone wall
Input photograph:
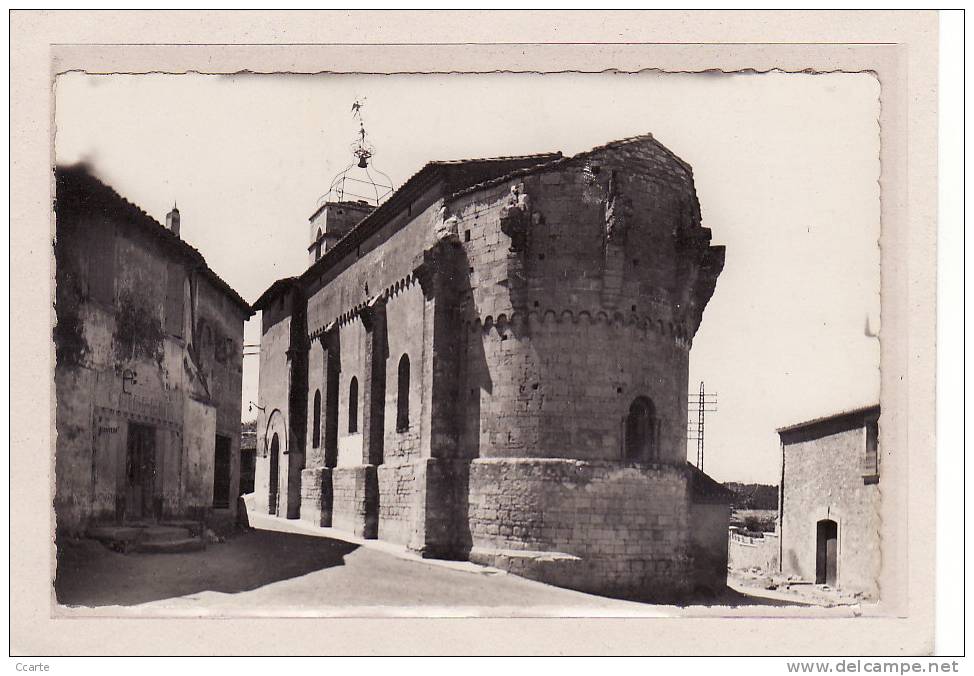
x,y
544,383
352,339
594,526
708,545
405,329
274,408
745,552
316,496
355,495
572,316
399,490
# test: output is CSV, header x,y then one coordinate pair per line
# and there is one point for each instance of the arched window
x,y
642,431
353,406
318,245
402,402
316,429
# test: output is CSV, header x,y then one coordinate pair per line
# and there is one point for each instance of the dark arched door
x,y
641,431
827,552
275,475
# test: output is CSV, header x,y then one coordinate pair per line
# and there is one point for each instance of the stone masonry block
x,y
316,496
356,500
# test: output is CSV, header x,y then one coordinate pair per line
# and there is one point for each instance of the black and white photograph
x,y
498,343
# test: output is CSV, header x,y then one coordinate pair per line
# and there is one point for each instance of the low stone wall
x,y
316,496
355,500
398,488
745,552
603,527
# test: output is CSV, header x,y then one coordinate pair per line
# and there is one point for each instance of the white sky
x,y
786,169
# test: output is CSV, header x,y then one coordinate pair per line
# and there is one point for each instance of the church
x,y
491,364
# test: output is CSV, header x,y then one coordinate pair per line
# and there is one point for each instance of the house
x,y
829,511
148,348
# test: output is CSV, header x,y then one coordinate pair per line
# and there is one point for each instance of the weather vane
x,y
362,149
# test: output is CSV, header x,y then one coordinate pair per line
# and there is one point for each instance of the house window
x,y
316,427
402,401
870,461
353,406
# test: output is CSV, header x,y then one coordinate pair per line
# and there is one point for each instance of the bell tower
x,y
332,221
354,193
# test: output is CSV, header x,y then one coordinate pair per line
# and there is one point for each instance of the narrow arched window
x,y
402,402
316,415
642,431
318,245
353,406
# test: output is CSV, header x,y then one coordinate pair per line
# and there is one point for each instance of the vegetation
x,y
753,496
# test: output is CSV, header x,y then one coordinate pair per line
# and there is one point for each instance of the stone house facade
x,y
148,347
829,511
492,365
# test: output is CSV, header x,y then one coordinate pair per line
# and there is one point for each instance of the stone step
x,y
164,534
195,528
111,534
171,546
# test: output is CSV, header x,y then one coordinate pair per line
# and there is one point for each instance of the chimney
x,y
172,220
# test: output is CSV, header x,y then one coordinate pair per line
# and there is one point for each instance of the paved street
x,y
289,568
292,573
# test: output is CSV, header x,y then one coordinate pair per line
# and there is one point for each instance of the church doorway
x,y
275,475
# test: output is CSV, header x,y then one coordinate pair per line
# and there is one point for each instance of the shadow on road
x,y
733,598
89,574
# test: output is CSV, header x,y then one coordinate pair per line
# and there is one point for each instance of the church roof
x,y
458,177
560,160
453,174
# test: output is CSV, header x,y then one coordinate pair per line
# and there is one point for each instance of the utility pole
x,y
706,402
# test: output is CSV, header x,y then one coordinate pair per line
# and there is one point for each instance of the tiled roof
x,y
541,157
272,291
77,183
704,488
643,138
861,412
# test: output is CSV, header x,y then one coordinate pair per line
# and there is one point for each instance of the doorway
x,y
221,473
826,552
275,475
140,471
